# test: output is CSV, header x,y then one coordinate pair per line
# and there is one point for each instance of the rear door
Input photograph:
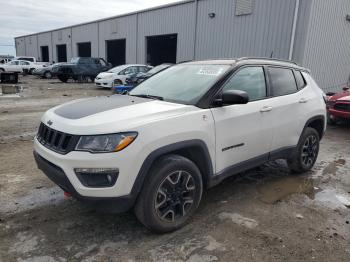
x,y
285,113
241,130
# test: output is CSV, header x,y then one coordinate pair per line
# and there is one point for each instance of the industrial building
x,y
314,33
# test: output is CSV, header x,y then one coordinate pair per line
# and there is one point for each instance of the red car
x,y
338,106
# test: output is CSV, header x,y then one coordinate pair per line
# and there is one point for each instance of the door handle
x,y
303,100
266,109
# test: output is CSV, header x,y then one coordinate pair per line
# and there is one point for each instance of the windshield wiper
x,y
149,96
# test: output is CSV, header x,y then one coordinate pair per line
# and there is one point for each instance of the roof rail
x,y
266,58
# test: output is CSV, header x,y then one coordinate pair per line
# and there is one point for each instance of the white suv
x,y
179,132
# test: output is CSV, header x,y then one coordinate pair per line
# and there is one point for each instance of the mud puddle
x,y
275,190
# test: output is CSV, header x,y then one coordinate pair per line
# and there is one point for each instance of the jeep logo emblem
x,y
49,122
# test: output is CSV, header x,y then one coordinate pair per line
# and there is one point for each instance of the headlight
x,y
105,143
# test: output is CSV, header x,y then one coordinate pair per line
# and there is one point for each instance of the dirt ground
x,y
265,214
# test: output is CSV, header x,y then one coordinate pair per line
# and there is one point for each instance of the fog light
x,y
97,177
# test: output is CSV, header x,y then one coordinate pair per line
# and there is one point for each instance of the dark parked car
x,y
136,79
80,68
45,72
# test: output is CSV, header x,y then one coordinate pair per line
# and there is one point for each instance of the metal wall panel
x,y
266,31
45,39
119,28
31,46
301,30
327,50
62,37
20,46
85,33
179,19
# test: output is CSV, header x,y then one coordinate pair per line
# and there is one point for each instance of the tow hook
x,y
67,195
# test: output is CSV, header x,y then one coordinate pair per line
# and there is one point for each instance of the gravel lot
x,y
265,214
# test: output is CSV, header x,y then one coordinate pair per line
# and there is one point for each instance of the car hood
x,y
345,96
117,113
105,75
65,64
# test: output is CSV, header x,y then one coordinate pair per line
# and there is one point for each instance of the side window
x,y
128,71
300,79
142,69
283,81
250,80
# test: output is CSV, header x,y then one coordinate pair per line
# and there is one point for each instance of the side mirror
x,y
233,97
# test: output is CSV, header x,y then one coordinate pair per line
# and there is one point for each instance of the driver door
x,y
241,132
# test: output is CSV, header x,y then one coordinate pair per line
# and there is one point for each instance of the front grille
x,y
342,107
55,140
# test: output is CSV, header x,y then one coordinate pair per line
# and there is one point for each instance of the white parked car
x,y
179,132
19,66
117,75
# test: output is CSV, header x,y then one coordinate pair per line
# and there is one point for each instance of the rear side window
x,y
250,80
300,79
283,81
143,69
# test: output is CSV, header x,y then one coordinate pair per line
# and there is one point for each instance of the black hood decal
x,y
96,105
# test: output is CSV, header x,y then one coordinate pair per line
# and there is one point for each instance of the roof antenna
x,y
271,56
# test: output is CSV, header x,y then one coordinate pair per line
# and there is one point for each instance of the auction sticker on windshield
x,y
210,71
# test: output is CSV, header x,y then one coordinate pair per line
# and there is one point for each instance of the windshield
x,y
184,83
157,69
74,60
116,69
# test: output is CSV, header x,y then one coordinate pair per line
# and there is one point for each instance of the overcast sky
x,y
20,17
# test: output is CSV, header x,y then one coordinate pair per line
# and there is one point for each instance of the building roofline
x,y
113,17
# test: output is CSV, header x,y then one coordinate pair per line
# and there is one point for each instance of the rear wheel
x,y
48,75
170,195
307,151
63,78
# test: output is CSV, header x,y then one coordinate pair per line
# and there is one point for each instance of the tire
x,y
31,71
307,151
63,78
117,82
48,75
2,70
170,195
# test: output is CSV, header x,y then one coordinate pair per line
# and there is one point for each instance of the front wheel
x,y
170,195
63,78
306,153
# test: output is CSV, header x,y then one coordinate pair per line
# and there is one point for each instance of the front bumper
x,y
128,170
339,114
57,175
104,82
